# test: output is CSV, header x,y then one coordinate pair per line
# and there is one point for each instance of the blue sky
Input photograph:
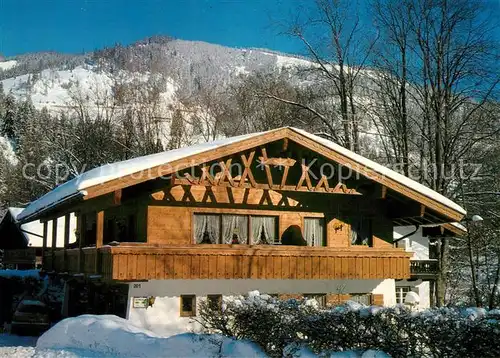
x,y
84,25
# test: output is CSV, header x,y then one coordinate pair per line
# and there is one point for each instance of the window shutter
x,y
377,300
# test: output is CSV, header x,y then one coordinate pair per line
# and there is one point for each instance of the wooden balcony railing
x,y
424,268
25,256
131,262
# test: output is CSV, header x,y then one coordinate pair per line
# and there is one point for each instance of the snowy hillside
x,y
185,66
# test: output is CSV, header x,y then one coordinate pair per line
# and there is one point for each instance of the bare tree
x,y
339,59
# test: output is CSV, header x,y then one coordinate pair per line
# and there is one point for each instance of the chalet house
x,y
284,212
22,244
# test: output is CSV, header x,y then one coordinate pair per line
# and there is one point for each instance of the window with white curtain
x,y
314,229
207,229
361,231
234,229
263,230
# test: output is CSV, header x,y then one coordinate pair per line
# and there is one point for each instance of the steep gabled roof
x,y
111,177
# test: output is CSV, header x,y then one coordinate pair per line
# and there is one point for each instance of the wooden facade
x,y
143,262
133,230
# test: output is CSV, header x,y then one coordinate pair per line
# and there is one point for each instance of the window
x,y
188,306
361,231
263,230
363,298
215,301
234,229
207,229
314,229
319,297
401,292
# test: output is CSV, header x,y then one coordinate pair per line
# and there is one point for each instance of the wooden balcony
x,y
424,269
134,262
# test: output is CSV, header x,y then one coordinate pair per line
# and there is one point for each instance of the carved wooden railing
x,y
424,267
129,262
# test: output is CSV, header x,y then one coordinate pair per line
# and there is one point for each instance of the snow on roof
x,y
116,170
33,230
389,173
108,172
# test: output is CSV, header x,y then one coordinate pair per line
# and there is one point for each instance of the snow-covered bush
x,y
276,325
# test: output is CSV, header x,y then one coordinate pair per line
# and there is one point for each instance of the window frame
x,y
368,296
249,235
215,299
186,313
319,297
360,219
322,220
401,293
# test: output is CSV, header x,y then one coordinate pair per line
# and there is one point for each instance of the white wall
x,y
416,243
163,317
422,288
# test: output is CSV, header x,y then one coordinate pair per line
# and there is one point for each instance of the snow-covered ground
x,y
111,336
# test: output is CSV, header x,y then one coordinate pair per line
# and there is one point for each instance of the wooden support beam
x,y
422,210
226,173
339,189
54,242
117,197
285,144
304,177
44,242
67,221
247,172
99,239
82,224
383,192
267,168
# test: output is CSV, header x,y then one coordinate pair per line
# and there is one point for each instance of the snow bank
x,y
110,335
20,273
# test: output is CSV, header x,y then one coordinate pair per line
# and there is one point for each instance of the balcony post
x,y
82,228
67,219
54,243
99,237
44,242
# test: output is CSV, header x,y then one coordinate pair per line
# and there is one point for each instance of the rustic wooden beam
x,y
205,175
44,242
267,168
117,197
341,189
383,192
54,242
247,172
225,172
285,176
67,221
82,223
285,144
304,177
99,239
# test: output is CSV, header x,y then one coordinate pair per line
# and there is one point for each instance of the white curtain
x,y
313,231
207,229
263,230
234,228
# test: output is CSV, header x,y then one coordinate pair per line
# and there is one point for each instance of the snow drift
x,y
109,335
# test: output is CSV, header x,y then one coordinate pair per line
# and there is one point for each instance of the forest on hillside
x,y
418,91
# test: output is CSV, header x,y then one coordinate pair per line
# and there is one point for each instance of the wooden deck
x,y
129,262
